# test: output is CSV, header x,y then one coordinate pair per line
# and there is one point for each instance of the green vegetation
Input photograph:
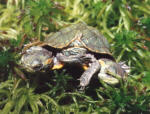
x,y
126,25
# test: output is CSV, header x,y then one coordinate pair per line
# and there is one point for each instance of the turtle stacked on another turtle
x,y
77,44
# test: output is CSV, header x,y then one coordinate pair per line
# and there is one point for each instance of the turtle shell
x,y
91,38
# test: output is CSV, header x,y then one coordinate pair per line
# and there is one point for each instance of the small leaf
x,y
20,103
125,18
34,105
7,108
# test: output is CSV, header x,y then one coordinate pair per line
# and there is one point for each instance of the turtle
x,y
80,44
37,58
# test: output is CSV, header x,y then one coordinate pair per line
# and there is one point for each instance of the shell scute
x,y
64,37
94,41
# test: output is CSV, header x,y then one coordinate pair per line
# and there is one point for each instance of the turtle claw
x,y
79,79
83,83
81,88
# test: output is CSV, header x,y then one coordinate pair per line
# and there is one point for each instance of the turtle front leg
x,y
94,65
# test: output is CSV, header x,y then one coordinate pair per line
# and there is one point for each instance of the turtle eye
x,y
37,65
37,68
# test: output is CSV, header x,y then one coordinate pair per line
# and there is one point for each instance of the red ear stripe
x,y
48,61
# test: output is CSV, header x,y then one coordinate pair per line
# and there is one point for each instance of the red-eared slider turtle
x,y
79,43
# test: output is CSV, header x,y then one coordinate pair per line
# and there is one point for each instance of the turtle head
x,y
37,59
